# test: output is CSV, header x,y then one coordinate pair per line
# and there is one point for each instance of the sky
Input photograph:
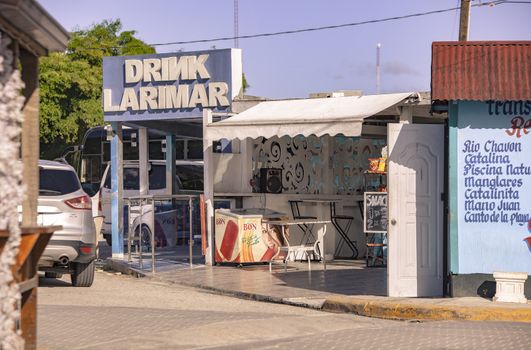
x,y
296,65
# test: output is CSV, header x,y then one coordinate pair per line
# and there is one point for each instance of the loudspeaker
x,y
270,180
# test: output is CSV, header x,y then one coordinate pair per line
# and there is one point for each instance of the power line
x,y
296,31
314,29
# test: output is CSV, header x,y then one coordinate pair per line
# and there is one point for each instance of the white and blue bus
x,y
90,158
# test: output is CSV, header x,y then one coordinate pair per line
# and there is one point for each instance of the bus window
x,y
106,151
157,177
131,179
155,150
90,169
191,177
179,149
195,149
92,145
130,153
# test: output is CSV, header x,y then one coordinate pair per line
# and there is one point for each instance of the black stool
x,y
346,221
306,229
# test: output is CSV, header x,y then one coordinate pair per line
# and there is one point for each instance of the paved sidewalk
x,y
346,286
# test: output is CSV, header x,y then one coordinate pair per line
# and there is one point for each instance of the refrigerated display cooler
x,y
242,237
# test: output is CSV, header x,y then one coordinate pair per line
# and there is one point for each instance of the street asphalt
x,y
122,312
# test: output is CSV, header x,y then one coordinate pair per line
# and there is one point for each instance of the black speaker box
x,y
270,180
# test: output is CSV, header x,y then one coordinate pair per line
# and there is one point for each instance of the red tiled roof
x,y
481,70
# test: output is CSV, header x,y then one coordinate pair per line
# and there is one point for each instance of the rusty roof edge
x,y
481,43
459,70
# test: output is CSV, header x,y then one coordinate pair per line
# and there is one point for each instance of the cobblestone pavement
x,y
121,312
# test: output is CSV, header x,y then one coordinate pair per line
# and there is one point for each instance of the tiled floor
x,y
344,277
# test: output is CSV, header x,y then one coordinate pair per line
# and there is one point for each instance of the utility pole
x,y
378,68
464,20
236,24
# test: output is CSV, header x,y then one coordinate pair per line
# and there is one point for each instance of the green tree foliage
x,y
245,84
71,83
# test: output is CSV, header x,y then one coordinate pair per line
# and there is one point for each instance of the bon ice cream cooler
x,y
241,237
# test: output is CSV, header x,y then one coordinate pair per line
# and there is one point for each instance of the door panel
x,y
416,159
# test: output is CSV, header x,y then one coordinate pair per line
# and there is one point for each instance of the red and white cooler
x,y
241,237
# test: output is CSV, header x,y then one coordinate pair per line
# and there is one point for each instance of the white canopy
x,y
314,116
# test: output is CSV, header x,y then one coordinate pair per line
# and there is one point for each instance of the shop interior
x,y
316,167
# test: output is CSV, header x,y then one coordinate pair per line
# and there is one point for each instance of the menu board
x,y
375,212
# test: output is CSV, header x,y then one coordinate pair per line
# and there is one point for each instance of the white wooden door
x,y
415,185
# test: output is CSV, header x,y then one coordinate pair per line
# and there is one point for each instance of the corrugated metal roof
x,y
481,70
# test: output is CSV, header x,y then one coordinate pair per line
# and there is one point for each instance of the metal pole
x,y
378,68
141,203
128,204
153,236
190,239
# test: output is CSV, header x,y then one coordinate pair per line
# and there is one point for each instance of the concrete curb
x,y
124,268
404,310
396,309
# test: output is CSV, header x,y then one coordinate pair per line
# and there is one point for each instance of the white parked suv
x,y
62,201
189,177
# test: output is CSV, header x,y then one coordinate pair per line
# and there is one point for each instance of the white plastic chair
x,y
306,249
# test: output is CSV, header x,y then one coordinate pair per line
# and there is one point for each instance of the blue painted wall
x,y
490,186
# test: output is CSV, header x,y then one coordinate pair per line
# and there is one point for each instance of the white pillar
x,y
406,115
327,177
246,150
143,161
208,187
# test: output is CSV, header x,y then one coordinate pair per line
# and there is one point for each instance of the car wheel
x,y
53,275
108,239
83,274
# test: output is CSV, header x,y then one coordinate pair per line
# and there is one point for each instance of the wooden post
x,y
464,20
30,137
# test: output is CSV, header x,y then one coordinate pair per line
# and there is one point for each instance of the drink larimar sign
x,y
170,85
494,186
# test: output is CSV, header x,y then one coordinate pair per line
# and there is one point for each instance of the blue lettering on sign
x,y
494,186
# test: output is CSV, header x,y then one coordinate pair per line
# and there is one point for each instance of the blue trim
x,y
453,188
116,201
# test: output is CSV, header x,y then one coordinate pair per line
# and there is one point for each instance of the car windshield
x,y
55,182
